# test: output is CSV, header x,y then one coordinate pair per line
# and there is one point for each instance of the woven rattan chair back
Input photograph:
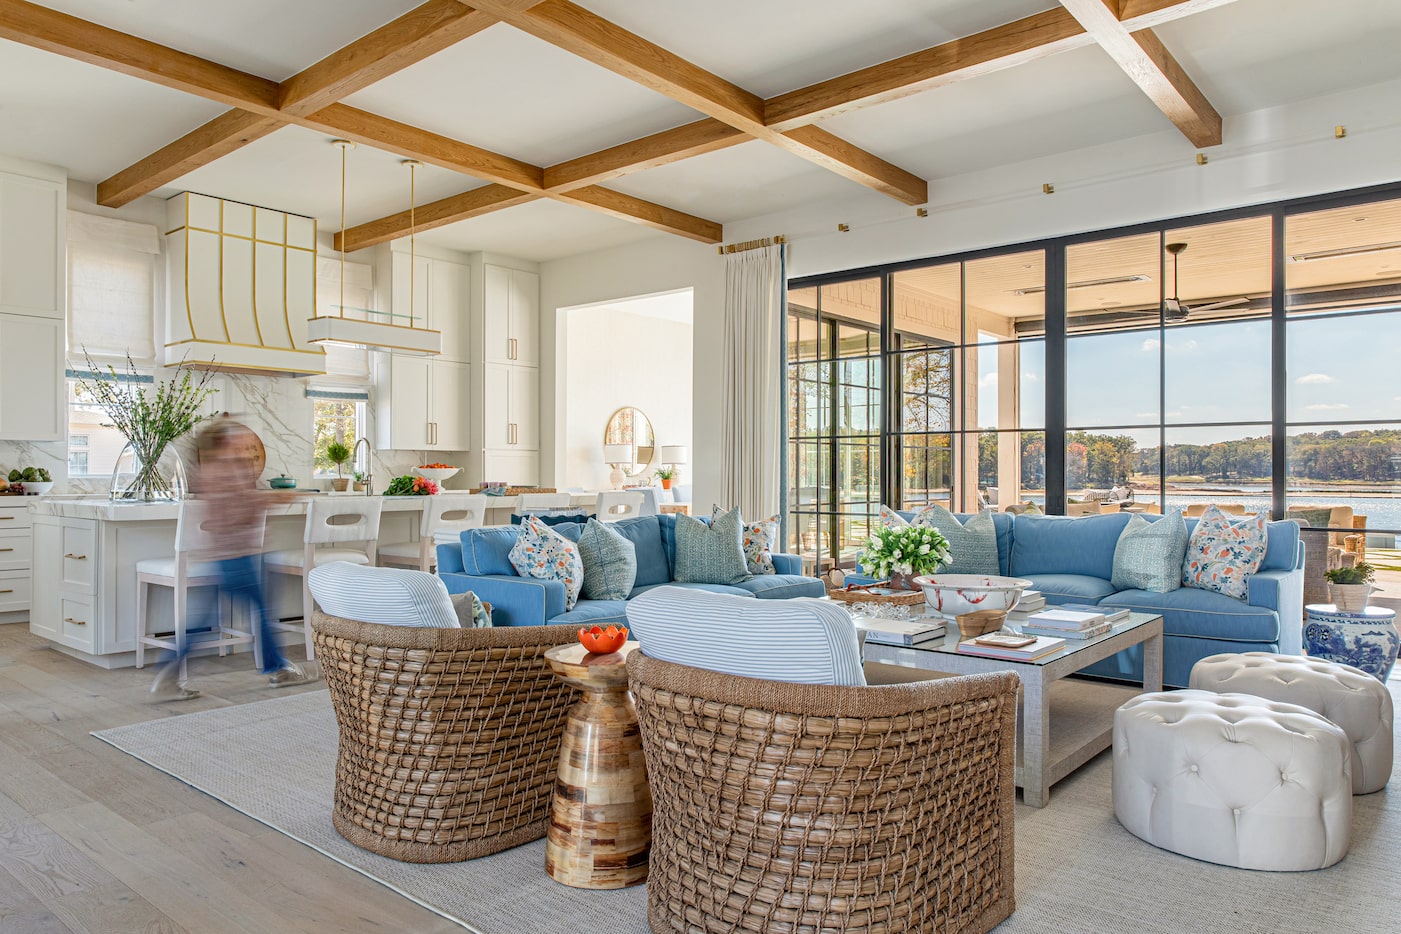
x,y
794,807
449,738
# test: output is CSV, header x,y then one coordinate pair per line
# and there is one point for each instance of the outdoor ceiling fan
x,y
1174,309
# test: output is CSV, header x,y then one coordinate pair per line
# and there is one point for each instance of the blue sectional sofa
x,y
480,562
1070,560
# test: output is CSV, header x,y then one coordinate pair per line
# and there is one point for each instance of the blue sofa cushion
x,y
575,517
1061,545
1205,614
594,613
782,586
488,551
646,536
1071,588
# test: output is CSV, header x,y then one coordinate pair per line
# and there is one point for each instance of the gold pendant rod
x,y
345,146
413,165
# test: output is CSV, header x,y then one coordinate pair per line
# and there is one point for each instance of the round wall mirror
x,y
628,426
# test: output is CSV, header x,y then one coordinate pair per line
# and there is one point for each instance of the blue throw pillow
x,y
576,517
972,544
1149,554
610,562
712,554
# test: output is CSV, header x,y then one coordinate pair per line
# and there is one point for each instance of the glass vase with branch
x,y
150,417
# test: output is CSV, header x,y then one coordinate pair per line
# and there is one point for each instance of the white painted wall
x,y
614,358
659,264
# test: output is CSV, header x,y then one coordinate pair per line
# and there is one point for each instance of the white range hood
x,y
241,286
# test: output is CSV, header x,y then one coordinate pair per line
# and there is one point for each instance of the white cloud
x,y
1032,377
1151,343
988,379
1314,378
1326,407
1182,345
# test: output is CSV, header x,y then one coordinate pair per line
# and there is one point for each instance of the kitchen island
x,y
85,551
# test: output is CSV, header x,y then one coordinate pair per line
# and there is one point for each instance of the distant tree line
x,y
1105,460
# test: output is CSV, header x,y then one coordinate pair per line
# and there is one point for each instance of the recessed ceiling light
x,y
1358,220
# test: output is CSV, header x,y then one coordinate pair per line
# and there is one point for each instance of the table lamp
x,y
675,455
615,455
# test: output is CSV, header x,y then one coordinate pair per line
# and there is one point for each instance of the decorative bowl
x,y
437,474
956,594
601,641
38,488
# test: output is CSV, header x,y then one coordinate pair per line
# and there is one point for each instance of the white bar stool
x,y
446,512
614,505
529,502
330,520
180,574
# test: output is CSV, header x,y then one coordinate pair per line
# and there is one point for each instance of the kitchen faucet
x,y
369,463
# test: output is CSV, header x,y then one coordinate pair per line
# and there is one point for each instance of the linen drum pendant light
x,y
357,326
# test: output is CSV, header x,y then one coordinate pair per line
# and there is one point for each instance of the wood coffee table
x,y
1079,714
601,825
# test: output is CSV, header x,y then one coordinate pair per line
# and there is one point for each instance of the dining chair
x,y
444,513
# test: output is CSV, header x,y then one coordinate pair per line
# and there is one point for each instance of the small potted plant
x,y
359,477
1350,587
337,453
665,474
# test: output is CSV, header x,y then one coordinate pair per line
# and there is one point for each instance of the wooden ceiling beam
x,y
657,216
226,133
608,45
423,31
662,148
993,49
450,210
1143,58
41,28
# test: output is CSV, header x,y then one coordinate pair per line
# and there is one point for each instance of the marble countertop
x,y
106,510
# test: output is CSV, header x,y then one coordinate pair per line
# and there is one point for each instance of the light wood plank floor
x,y
91,840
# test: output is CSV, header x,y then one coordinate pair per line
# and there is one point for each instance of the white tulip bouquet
x,y
908,549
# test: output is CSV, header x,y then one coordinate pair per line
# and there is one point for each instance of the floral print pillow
x,y
758,539
890,519
543,553
1222,555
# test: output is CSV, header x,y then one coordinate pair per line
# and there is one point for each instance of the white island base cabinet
x,y
85,556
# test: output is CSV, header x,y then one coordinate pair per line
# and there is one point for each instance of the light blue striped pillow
x,y
803,640
391,596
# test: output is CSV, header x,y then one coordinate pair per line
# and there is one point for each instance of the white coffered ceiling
x,y
518,95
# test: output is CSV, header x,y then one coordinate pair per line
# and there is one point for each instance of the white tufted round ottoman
x,y
1348,696
1233,779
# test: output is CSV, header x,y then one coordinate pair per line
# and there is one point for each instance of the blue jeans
x,y
243,578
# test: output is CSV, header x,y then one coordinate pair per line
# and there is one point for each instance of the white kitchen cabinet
x,y
511,320
517,468
33,406
422,403
16,555
66,568
512,411
32,245
436,297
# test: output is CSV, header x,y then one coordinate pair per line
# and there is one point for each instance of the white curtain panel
x,y
753,379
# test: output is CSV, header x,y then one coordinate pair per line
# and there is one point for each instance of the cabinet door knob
x,y
75,622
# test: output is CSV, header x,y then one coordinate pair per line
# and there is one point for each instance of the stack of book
x,y
906,632
1013,648
1031,601
1073,621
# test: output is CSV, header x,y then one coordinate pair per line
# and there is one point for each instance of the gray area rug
x,y
1077,869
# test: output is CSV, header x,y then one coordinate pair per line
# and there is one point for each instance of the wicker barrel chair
x,y
782,808
449,738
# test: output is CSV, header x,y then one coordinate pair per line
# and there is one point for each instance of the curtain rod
x,y
751,244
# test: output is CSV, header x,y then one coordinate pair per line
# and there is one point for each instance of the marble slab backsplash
x,y
277,409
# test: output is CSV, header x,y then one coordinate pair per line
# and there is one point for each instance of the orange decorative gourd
x,y
601,641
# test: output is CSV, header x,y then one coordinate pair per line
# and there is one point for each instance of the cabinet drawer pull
x,y
8,590
75,622
6,549
7,518
76,557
